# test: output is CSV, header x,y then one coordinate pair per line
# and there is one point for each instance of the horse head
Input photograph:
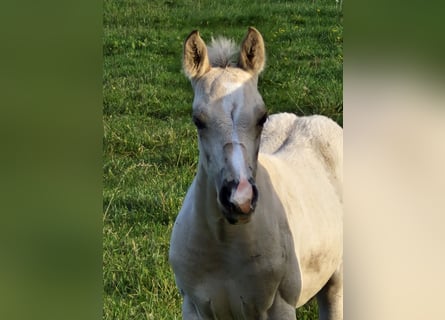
x,y
229,114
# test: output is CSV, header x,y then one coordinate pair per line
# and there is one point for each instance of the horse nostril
x,y
255,194
225,194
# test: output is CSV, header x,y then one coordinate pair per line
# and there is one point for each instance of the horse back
x,y
309,139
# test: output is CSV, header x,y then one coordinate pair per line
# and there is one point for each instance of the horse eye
x,y
198,123
262,120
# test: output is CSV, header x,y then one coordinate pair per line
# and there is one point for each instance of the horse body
x,y
259,232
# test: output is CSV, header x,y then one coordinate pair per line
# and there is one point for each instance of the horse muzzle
x,y
238,200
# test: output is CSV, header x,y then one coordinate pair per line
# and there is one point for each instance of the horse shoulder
x,y
314,219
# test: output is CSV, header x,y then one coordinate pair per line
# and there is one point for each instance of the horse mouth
x,y
236,217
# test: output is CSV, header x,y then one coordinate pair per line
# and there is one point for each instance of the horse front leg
x,y
281,309
189,311
330,297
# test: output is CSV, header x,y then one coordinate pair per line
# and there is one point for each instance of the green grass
x,y
150,148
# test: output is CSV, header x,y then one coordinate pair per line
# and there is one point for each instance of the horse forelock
x,y
223,52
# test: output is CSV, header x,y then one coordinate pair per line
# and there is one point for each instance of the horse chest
x,y
233,285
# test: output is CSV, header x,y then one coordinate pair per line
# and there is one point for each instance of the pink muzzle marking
x,y
243,196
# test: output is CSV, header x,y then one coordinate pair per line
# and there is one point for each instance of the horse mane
x,y
223,52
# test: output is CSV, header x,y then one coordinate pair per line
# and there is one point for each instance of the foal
x,y
260,229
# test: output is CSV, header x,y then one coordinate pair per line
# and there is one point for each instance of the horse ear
x,y
252,55
196,61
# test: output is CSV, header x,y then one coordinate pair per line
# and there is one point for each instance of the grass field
x,y
150,148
